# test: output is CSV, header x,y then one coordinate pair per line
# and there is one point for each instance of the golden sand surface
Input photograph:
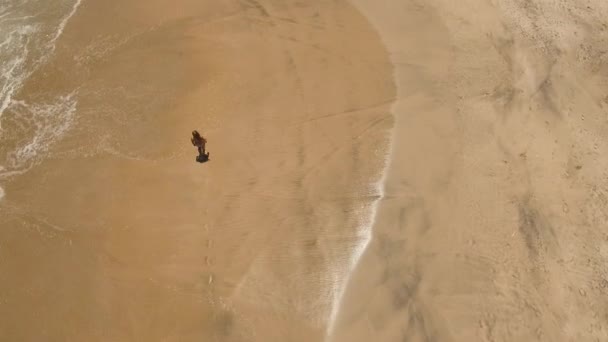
x,y
490,223
493,224
119,235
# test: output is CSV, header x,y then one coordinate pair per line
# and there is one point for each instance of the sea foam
x,y
29,30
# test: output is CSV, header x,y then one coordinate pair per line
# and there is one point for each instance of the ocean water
x,y
29,31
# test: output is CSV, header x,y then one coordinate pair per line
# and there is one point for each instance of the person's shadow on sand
x,y
202,158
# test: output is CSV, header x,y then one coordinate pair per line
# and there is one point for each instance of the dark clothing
x,y
200,142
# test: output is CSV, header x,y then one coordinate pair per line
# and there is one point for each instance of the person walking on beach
x,y
200,142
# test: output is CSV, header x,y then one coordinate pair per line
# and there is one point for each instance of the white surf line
x,y
58,34
60,28
10,88
365,234
63,23
366,226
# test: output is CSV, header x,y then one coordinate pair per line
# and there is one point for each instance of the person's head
x,y
196,134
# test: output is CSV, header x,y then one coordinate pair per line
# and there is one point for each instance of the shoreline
x,y
380,171
400,28
251,237
476,238
379,188
7,172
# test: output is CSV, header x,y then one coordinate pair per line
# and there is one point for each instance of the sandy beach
x,y
119,235
492,227
380,171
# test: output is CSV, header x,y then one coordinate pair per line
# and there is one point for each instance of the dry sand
x,y
493,225
492,222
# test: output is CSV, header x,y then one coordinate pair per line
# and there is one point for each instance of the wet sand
x,y
119,235
490,226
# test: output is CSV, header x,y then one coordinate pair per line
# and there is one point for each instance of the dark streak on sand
x,y
537,232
